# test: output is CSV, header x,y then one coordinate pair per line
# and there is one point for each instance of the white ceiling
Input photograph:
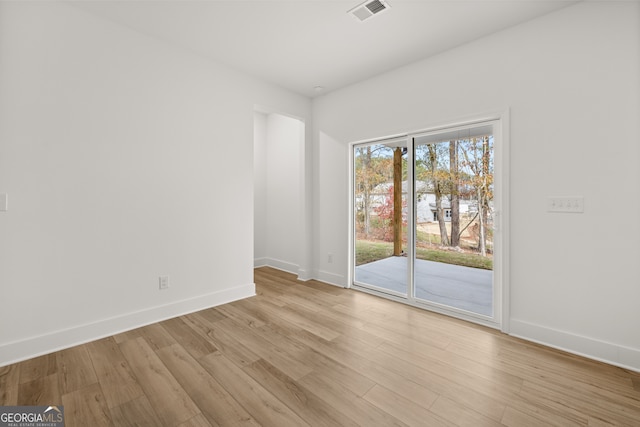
x,y
301,44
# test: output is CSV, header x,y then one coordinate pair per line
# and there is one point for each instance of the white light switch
x,y
565,204
4,202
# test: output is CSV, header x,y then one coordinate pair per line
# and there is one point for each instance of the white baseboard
x,y
36,346
331,278
289,267
613,354
304,275
260,262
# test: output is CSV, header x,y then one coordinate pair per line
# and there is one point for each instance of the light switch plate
x,y
4,202
565,204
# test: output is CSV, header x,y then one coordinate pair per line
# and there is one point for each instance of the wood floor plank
x,y
270,295
86,407
460,415
235,312
354,407
336,291
264,311
40,392
362,311
250,338
222,340
582,402
354,381
389,372
404,409
211,315
561,375
257,400
169,400
118,382
356,371
333,327
193,342
419,392
515,418
38,367
269,313
555,414
9,384
286,295
391,332
460,369
75,369
302,401
290,287
218,406
197,421
297,317
565,367
300,335
155,335
283,341
595,422
135,413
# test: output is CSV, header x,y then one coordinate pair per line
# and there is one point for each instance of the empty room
x,y
319,213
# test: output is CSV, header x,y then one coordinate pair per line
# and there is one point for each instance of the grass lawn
x,y
369,251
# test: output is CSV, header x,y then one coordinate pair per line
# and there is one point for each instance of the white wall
x,y
279,236
260,189
570,80
124,159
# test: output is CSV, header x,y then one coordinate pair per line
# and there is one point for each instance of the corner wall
x,y
279,191
570,81
124,159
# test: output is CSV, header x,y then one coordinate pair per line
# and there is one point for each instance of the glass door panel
x,y
453,222
380,216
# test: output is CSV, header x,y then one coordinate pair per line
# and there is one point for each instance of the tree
x,y
455,196
371,170
437,178
479,161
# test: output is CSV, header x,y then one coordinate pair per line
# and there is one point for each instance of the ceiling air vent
x,y
368,9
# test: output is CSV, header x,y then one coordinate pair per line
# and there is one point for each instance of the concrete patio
x,y
456,286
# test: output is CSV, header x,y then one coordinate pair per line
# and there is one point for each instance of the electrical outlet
x,y
565,204
164,282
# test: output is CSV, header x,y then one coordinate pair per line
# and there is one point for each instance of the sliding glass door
x,y
424,216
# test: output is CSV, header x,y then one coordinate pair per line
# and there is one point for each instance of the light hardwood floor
x,y
310,354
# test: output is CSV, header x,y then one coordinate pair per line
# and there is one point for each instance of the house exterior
x,y
426,201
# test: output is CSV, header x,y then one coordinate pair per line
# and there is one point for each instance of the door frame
x,y
501,291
